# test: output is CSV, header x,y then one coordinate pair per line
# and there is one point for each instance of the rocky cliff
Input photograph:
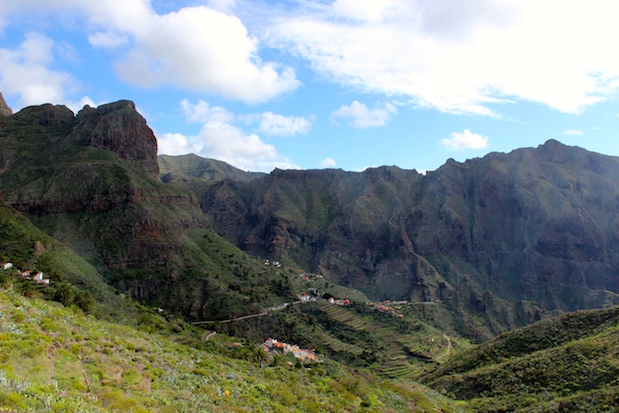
x,y
92,181
537,226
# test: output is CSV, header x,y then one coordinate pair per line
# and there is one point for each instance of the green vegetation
x,y
55,359
358,336
568,363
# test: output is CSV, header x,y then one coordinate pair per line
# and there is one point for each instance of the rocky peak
x,y
46,115
120,128
5,110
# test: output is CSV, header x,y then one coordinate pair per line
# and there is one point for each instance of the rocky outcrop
x,y
46,115
5,110
537,224
118,127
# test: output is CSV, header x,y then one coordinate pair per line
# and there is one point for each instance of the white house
x,y
38,276
7,265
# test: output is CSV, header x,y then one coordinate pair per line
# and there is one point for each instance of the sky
x,y
308,84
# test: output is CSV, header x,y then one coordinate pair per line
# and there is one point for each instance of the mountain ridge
x,y
91,181
535,224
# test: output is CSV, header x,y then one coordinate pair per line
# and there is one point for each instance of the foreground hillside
x,y
55,359
567,364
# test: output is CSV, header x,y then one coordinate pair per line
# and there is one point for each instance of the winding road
x,y
447,352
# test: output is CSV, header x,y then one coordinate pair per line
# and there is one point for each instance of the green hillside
x,y
28,248
54,359
568,364
92,182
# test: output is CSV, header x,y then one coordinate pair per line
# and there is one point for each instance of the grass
x,y
55,359
568,363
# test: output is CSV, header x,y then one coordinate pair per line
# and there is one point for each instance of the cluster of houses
x,y
305,276
27,275
389,307
275,264
345,303
273,346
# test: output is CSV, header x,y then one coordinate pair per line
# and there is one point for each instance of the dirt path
x,y
195,323
448,351
207,335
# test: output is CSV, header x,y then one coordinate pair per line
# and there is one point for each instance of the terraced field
x,y
399,354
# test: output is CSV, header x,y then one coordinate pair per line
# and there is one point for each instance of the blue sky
x,y
344,84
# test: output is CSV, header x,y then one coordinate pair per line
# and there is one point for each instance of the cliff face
x,y
92,181
535,225
119,128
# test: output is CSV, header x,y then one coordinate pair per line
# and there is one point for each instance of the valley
x,y
488,285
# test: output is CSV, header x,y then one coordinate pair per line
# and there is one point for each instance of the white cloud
x,y
461,57
222,5
364,10
278,125
199,48
465,140
107,40
24,71
195,48
573,132
327,163
218,139
359,116
202,112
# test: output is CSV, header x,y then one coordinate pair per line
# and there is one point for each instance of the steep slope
x,y
92,182
568,363
58,360
500,239
28,248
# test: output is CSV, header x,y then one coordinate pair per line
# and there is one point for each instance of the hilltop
x,y
568,363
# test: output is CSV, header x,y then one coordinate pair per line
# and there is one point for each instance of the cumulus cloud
x,y
573,132
199,48
220,140
327,163
274,124
461,57
465,140
194,48
203,112
107,40
229,144
359,116
24,71
364,10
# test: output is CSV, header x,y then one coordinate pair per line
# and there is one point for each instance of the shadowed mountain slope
x,y
92,182
505,237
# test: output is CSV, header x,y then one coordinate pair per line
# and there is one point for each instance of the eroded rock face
x,y
537,224
120,128
5,110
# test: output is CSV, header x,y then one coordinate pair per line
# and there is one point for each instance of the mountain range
x,y
503,239
471,251
500,241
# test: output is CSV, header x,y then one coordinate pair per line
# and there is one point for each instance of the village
x,y
27,275
273,346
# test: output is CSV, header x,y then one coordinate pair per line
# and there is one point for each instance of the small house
x,y
7,265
